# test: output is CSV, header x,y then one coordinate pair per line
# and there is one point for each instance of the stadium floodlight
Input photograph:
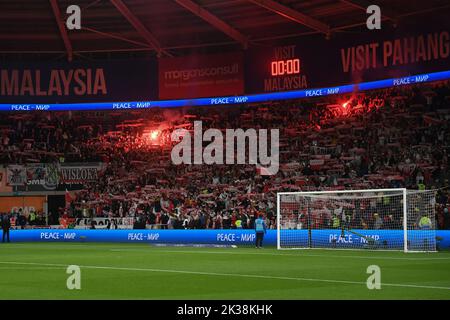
x,y
374,219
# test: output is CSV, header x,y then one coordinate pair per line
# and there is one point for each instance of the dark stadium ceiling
x,y
171,27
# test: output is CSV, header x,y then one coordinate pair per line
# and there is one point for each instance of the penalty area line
x,y
254,276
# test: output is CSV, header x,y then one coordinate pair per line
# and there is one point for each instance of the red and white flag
x,y
68,198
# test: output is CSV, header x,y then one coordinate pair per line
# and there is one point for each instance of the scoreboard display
x,y
276,69
285,67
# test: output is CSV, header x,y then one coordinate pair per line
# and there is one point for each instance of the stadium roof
x,y
171,27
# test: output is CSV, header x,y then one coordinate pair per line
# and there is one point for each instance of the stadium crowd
x,y
389,138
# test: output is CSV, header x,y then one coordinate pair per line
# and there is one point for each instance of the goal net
x,y
378,219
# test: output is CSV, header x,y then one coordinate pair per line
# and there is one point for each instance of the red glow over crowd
x,y
383,139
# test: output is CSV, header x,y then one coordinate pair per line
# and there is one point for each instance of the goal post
x,y
373,219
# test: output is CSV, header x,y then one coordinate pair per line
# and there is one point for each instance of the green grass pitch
x,y
140,271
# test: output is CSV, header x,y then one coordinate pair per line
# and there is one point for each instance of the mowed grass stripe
x,y
320,253
224,274
299,254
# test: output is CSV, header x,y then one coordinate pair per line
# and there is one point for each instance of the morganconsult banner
x,y
201,76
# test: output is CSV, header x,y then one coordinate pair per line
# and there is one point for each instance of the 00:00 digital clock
x,y
282,67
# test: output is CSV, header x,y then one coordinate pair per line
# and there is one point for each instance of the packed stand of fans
x,y
383,139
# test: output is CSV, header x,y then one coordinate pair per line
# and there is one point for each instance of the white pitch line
x,y
279,254
27,268
225,275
